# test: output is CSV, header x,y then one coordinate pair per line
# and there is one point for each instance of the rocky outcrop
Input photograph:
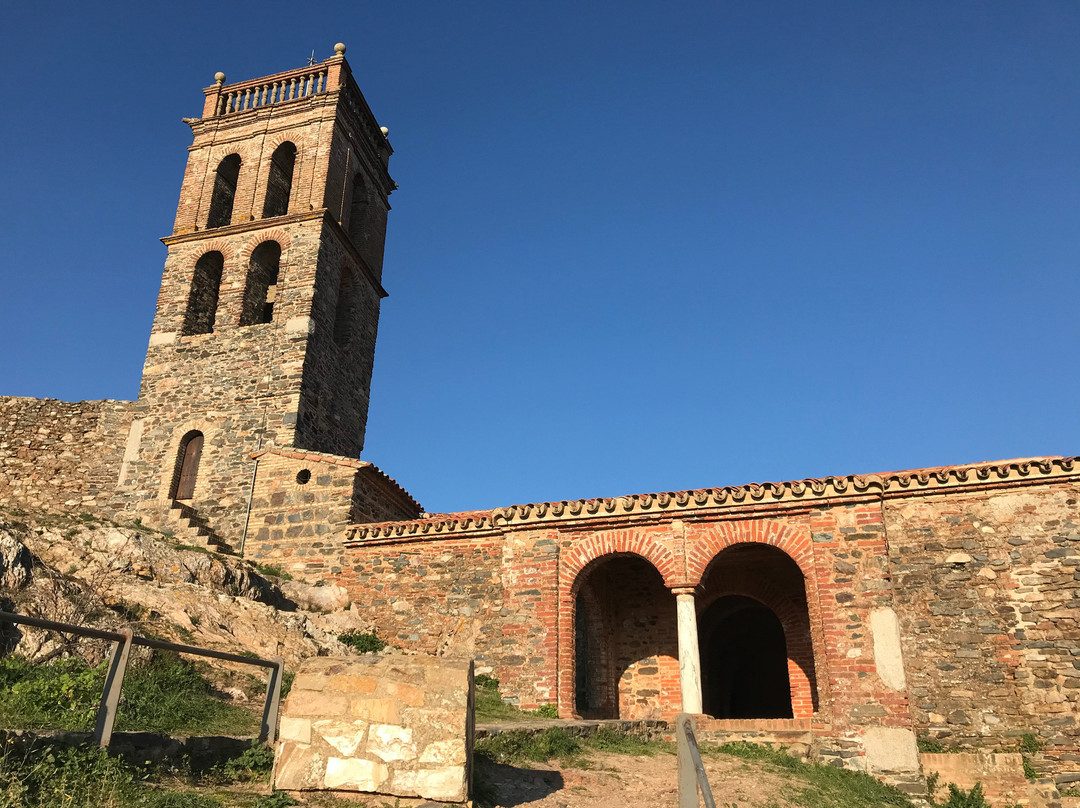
x,y
91,572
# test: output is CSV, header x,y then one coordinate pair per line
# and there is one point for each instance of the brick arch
x,y
293,136
798,637
716,538
228,252
276,234
575,561
615,542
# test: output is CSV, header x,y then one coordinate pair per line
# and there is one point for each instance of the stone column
x,y
689,658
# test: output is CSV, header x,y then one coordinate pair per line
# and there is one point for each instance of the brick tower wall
x,y
303,379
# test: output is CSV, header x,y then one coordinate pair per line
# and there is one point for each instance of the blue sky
x,y
636,247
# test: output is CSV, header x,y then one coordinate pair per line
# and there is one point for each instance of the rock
x,y
16,563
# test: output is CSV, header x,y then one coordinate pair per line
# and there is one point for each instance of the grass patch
x,y
491,709
520,746
555,743
814,785
47,776
167,695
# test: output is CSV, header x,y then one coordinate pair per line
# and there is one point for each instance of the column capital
x,y
684,589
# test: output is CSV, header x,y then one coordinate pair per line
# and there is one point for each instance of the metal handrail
x,y
691,769
114,678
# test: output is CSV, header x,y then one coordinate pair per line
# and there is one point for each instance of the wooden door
x,y
189,467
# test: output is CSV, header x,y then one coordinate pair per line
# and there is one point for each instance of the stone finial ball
x,y
219,77
339,49
384,130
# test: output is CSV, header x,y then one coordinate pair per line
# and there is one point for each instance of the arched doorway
x,y
187,466
744,661
626,657
757,658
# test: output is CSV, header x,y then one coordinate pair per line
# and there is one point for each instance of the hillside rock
x,y
88,572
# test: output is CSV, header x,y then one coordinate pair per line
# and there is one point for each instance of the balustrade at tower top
x,y
280,88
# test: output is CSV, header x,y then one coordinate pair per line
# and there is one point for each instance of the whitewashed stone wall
x,y
395,725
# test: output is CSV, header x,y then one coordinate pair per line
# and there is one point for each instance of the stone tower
x,y
269,303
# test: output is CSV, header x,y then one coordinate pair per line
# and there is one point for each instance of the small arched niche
x,y
221,200
203,297
279,183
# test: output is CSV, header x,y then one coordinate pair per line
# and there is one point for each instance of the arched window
x,y
187,465
367,222
203,298
345,315
260,293
359,210
221,202
279,186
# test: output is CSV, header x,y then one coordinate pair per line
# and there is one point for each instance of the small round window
x,y
303,476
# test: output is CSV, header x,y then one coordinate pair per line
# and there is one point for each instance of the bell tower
x,y
269,305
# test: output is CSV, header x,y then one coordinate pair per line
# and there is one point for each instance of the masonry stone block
x,y
383,738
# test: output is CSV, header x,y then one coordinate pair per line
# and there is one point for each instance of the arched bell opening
x,y
625,640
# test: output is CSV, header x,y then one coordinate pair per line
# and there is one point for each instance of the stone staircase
x,y
190,528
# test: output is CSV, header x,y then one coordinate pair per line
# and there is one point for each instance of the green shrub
x,y
48,777
1029,770
546,711
485,682
367,642
287,678
1029,744
930,745
61,695
272,570
958,798
254,763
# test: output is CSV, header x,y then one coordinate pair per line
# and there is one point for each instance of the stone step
x,y
190,528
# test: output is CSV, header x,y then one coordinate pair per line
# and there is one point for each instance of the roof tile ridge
x,y
705,497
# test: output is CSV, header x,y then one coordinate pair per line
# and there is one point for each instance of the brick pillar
x,y
689,657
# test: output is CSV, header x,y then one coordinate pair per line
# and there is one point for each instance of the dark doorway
x,y
188,465
744,658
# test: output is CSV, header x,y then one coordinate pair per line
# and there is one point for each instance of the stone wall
x,y
510,598
301,499
60,456
390,725
943,602
988,592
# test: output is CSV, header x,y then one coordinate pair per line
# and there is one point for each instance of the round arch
x,y
618,640
767,575
713,539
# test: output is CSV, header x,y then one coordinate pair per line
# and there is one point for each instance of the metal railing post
x,y
691,769
268,733
110,696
